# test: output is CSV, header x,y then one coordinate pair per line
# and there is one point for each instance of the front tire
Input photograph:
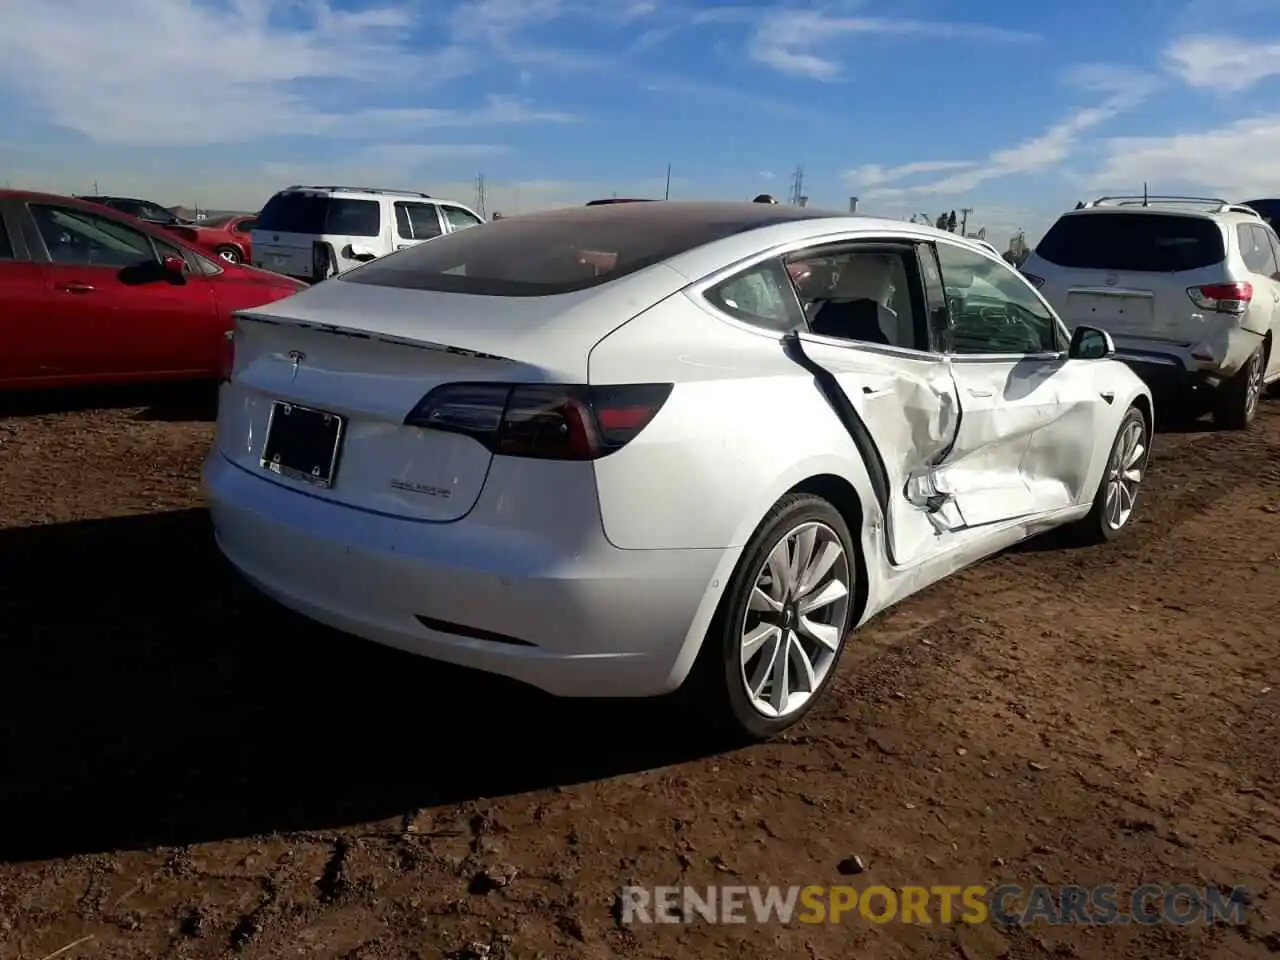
x,y
773,646
1236,402
1117,497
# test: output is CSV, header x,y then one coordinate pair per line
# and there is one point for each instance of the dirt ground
x,y
188,771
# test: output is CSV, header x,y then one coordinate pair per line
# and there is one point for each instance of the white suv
x,y
313,233
1188,287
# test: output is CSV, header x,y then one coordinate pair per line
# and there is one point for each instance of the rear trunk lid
x,y
1128,273
365,356
287,253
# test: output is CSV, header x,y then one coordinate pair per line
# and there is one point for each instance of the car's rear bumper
x,y
1166,374
574,619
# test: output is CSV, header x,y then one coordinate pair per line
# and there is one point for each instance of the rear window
x,y
1139,242
543,254
317,214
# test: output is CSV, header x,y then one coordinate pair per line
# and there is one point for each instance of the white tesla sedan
x,y
623,449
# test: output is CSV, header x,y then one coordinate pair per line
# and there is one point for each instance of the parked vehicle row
x,y
1189,287
627,449
227,236
93,295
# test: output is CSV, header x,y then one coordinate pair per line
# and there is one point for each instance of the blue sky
x,y
921,106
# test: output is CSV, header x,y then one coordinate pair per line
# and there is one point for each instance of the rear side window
x,y
417,221
317,214
6,247
542,254
1139,242
1255,249
354,218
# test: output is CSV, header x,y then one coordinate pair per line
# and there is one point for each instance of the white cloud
x,y
872,174
1122,90
797,41
1221,63
1236,161
168,72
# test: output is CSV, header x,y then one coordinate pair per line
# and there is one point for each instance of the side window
x,y
1267,265
1254,258
85,239
167,249
762,296
417,221
245,226
993,310
863,295
6,245
460,219
1275,244
354,218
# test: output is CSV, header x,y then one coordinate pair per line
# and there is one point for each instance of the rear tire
x,y
229,254
1236,403
1118,492
791,595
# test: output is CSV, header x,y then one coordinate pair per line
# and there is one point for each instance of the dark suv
x,y
142,209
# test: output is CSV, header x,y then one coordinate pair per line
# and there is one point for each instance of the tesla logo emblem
x,y
296,357
1111,280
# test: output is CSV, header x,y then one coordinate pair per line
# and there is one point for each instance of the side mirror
x,y
174,268
359,252
1090,343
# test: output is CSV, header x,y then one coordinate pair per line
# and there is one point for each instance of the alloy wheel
x,y
1124,473
792,628
1253,384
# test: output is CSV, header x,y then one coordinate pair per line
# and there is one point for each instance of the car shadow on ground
x,y
152,698
174,402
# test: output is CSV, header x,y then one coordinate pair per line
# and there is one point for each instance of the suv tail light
x,y
228,356
1222,297
543,421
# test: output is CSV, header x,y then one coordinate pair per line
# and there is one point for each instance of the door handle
x,y
74,286
872,392
979,393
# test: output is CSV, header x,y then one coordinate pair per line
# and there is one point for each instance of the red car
x,y
226,237
89,295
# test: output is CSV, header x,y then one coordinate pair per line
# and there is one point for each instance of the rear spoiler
x,y
364,333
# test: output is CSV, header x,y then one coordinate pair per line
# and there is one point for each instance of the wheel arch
x,y
842,495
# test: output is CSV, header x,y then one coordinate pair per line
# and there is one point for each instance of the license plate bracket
x,y
303,443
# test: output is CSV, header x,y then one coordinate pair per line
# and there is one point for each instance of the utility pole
x,y
480,197
797,186
667,194
95,188
964,220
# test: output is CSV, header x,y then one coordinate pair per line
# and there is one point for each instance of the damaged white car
x,y
626,449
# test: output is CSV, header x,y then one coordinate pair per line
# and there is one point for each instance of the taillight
x,y
1222,297
1035,281
544,421
228,363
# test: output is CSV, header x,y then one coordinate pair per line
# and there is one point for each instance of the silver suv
x,y
1188,287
